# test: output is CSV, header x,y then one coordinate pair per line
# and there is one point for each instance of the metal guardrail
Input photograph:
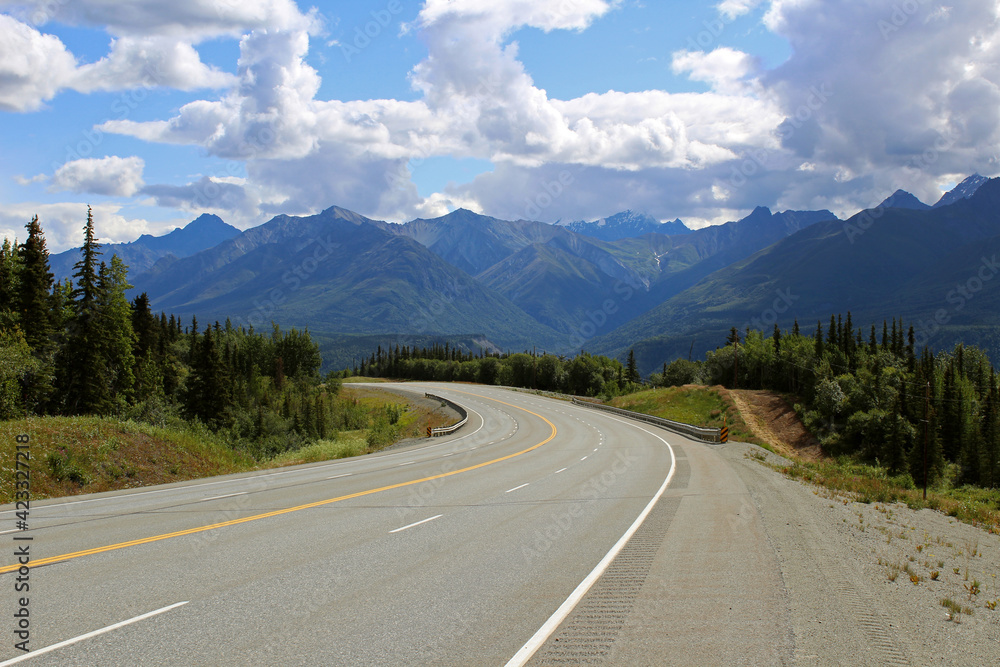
x,y
705,434
448,430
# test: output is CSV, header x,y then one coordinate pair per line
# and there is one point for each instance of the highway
x,y
452,551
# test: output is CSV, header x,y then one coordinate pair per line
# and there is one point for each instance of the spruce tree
x,y
35,287
115,334
207,389
79,366
145,325
632,370
10,280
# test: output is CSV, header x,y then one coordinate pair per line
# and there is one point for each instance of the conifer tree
x,y
35,287
632,370
146,327
115,334
207,391
10,280
78,369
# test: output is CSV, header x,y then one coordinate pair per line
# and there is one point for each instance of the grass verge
x,y
698,406
79,455
872,484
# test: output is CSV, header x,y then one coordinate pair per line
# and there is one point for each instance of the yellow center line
x,y
289,510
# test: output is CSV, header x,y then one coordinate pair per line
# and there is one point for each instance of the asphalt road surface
x,y
452,551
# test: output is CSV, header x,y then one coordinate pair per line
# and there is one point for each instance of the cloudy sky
x,y
154,112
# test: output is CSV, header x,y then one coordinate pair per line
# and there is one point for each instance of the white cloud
x,y
142,62
186,19
733,8
502,16
112,176
63,223
33,66
726,70
37,178
849,117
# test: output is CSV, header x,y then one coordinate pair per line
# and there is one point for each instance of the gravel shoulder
x,y
858,578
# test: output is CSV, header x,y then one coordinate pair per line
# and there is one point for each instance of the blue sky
x,y
395,109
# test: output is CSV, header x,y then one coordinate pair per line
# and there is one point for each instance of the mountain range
x,y
201,234
607,286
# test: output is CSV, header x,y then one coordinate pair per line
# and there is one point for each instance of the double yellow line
x,y
298,508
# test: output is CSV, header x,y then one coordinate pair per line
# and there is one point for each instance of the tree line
x,y
79,347
871,394
583,375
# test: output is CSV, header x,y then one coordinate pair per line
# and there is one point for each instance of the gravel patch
x,y
860,578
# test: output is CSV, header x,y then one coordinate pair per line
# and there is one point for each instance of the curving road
x,y
453,551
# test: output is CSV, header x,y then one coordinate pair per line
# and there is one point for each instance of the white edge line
x,y
517,487
549,627
403,528
228,495
74,640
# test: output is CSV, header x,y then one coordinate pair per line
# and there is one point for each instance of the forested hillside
x,y
874,395
80,347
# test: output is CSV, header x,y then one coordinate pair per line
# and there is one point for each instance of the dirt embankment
x,y
774,421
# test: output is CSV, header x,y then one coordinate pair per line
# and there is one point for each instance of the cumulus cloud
x,y
733,8
33,66
153,46
873,97
137,62
112,176
205,194
187,19
911,97
726,70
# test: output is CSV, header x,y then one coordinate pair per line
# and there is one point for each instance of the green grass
x,y
873,484
78,455
71,455
347,444
699,406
